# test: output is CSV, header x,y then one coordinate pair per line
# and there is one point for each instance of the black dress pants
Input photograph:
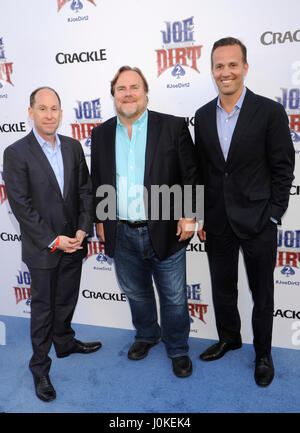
x,y
259,254
54,295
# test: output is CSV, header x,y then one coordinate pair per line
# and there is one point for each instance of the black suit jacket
x,y
170,160
36,200
253,184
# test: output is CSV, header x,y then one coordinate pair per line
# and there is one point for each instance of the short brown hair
x,y
229,41
123,69
32,96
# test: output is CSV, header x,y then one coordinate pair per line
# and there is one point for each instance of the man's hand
x,y
185,228
80,235
201,233
69,245
100,231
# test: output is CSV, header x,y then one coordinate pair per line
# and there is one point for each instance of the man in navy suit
x,y
247,161
50,193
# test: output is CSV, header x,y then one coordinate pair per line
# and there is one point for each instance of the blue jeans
x,y
136,264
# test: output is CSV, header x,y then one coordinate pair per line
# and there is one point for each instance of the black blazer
x,y
170,160
36,200
253,184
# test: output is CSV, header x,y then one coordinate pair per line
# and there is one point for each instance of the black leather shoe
x,y
264,371
217,350
80,347
44,388
182,366
139,350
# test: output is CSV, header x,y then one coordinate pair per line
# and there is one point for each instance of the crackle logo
x,y
197,309
88,115
96,249
288,256
22,288
178,51
3,195
6,68
76,6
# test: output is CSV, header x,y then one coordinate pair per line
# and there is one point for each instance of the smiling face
x,y
130,96
46,113
229,70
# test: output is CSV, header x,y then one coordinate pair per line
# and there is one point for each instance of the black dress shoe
x,y
182,366
264,371
139,350
80,347
217,350
44,388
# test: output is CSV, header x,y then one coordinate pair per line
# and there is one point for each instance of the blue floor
x,y
108,382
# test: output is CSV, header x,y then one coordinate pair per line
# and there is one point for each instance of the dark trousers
x,y
54,294
259,254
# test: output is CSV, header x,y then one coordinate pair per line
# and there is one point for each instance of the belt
x,y
134,224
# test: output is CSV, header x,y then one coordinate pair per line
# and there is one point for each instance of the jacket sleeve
x,y
85,192
281,157
15,173
190,172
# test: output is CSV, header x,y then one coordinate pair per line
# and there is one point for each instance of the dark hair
x,y
32,96
127,68
229,41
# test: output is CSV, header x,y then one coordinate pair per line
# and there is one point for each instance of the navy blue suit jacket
x,y
36,200
253,184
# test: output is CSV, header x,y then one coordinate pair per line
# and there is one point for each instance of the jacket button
x,y
226,174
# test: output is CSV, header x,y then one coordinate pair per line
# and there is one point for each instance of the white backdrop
x,y
76,47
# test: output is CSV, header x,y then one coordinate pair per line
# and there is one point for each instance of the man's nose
x,y
49,114
226,71
128,92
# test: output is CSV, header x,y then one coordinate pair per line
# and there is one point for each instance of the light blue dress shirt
x,y
54,157
227,122
130,168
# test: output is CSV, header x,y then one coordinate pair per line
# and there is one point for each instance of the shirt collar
x,y
238,104
44,142
140,121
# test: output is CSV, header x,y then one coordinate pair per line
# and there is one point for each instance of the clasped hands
x,y
70,245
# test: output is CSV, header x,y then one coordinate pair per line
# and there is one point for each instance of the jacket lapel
x,y
38,153
248,109
110,139
67,161
213,130
153,132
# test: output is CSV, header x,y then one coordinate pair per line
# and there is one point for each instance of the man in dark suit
x,y
133,152
247,159
50,193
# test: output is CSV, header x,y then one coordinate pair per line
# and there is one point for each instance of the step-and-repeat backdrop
x,y
76,47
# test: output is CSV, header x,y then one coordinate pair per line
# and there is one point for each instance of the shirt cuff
x,y
52,243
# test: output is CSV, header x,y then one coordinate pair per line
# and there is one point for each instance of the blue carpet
x,y
108,382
